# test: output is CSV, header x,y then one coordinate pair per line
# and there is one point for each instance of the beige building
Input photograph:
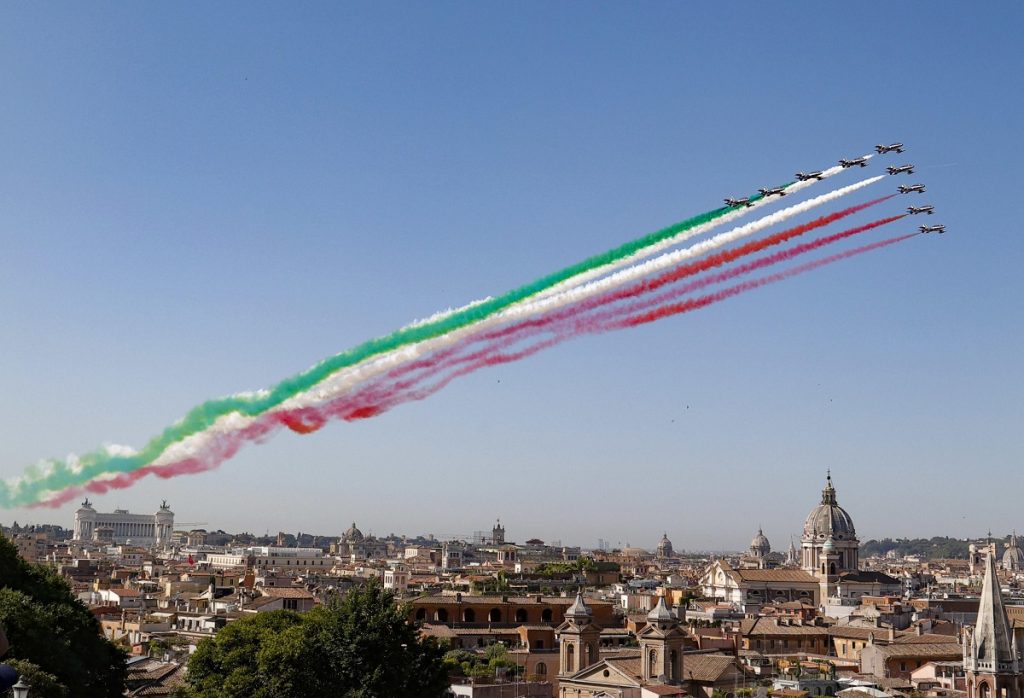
x,y
121,526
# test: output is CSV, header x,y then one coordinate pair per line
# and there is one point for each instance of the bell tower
x,y
580,639
992,659
661,646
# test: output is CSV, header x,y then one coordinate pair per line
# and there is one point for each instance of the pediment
x,y
604,674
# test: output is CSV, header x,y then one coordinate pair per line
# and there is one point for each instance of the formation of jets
x,y
854,162
909,169
919,188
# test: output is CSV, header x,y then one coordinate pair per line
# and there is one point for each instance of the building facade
x,y
121,526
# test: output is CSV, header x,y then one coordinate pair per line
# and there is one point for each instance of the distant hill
x,y
931,548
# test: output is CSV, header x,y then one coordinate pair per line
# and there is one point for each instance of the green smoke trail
x,y
51,475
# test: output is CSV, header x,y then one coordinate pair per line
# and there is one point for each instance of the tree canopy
x,y
53,636
359,646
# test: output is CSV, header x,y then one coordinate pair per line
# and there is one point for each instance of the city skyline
x,y
471,532
185,224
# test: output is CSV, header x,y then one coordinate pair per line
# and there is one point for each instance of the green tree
x,y
360,646
53,635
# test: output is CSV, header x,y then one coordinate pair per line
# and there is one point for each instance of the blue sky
x,y
204,199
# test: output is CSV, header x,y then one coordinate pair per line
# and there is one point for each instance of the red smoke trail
x,y
702,301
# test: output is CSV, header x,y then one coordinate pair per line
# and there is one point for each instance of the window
x,y
541,669
521,615
421,614
545,615
441,615
570,658
468,616
494,616
291,604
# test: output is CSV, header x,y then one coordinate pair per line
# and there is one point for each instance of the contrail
x,y
686,306
680,237
377,399
577,322
57,475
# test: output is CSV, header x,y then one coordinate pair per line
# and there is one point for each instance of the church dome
x,y
353,534
760,546
665,546
1013,556
828,519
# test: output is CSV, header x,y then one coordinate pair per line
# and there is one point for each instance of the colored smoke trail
x,y
687,306
681,237
39,483
344,381
374,400
573,324
55,474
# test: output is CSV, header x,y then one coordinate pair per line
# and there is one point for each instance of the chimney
x,y
892,633
458,597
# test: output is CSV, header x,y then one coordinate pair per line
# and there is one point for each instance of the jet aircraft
x,y
737,203
894,148
770,191
804,176
862,161
921,209
932,228
919,188
909,169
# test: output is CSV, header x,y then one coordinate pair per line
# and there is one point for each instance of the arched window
x,y
441,614
570,658
545,615
495,615
521,615
983,691
831,568
541,669
421,614
468,615
673,670
652,663
590,654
